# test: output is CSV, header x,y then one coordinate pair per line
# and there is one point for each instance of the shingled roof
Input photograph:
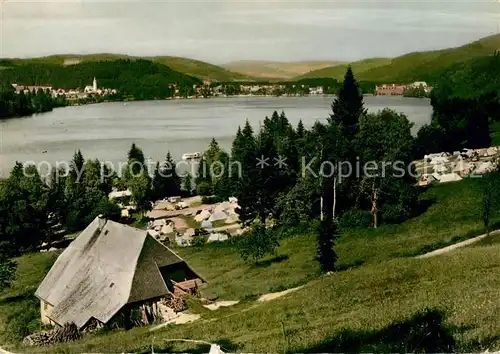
x,y
108,266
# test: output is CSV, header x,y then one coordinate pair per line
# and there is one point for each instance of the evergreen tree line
x,y
465,102
274,189
20,104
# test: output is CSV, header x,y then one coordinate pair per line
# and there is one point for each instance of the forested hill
x,y
471,80
192,67
140,79
465,102
427,66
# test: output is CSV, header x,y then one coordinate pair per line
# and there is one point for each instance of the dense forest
x,y
465,101
136,79
24,104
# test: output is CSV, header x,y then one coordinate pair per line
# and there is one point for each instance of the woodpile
x,y
175,303
69,332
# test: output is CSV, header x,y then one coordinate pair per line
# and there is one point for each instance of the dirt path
x,y
216,305
457,245
272,296
3,351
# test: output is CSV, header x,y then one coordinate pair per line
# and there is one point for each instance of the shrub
x,y
204,188
209,199
258,243
199,241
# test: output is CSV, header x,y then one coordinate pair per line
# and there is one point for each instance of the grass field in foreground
x,y
384,285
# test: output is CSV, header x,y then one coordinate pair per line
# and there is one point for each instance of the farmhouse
x,y
109,272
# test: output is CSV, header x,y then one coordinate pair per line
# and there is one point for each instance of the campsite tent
x,y
206,224
450,177
218,215
217,237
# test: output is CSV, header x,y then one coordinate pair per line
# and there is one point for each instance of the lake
x,y
107,130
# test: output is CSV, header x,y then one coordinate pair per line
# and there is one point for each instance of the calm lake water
x,y
106,131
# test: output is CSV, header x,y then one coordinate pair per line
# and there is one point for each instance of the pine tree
x,y
77,171
171,180
187,183
157,183
326,236
136,160
337,146
348,106
301,131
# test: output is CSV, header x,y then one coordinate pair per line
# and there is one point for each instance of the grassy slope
x,y
338,71
188,66
385,284
418,65
276,70
19,309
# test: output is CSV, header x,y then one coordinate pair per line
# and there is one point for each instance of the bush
x,y
355,219
204,188
209,199
198,241
394,213
258,243
24,321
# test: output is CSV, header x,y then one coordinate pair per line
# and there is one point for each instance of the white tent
x,y
440,168
232,219
484,168
222,207
218,215
204,214
206,224
439,160
450,177
217,238
167,229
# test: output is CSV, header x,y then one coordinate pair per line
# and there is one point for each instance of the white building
x,y
316,90
418,84
93,88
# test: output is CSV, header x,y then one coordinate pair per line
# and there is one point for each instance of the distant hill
x,y
276,70
192,67
137,79
427,66
338,71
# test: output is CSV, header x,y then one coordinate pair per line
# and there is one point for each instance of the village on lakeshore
x,y
215,89
69,94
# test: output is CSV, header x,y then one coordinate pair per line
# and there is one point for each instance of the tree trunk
x,y
321,208
374,206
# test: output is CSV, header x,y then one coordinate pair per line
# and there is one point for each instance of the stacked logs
x,y
67,333
175,303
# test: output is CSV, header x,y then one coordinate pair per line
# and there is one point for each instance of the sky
x,y
228,30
